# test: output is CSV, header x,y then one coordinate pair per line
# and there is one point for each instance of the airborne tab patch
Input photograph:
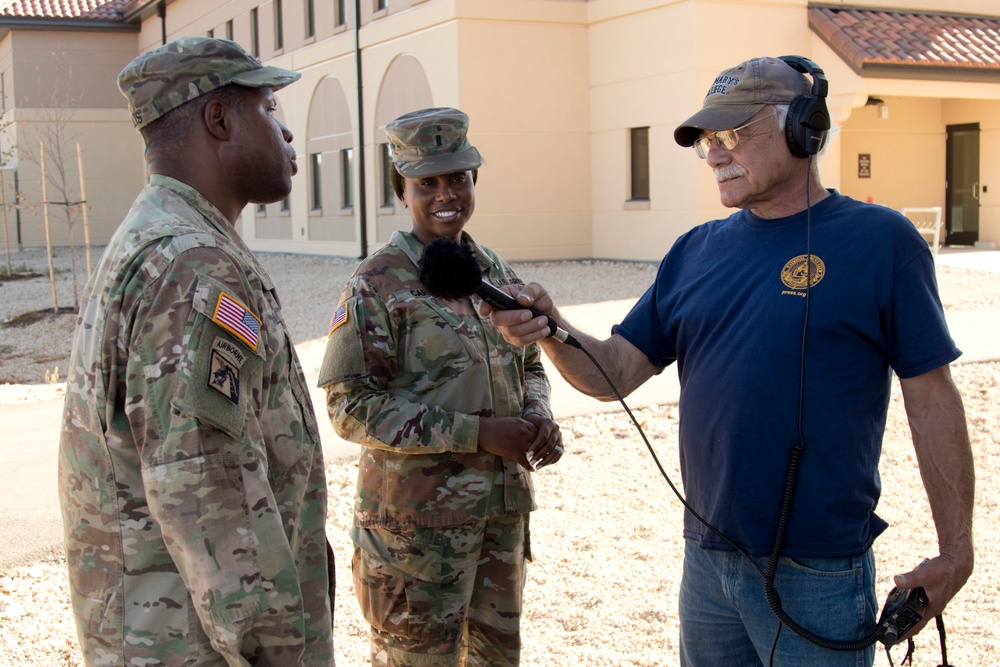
x,y
224,369
232,316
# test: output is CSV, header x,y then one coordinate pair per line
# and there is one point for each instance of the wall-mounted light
x,y
883,108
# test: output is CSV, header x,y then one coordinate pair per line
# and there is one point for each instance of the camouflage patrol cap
x,y
431,142
177,72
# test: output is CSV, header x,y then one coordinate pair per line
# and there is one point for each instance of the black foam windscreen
x,y
449,270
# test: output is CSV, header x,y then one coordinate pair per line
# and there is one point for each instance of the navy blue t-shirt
x,y
728,305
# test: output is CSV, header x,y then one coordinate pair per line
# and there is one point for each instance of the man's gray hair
x,y
782,111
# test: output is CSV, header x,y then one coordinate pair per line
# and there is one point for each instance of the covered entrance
x,y
919,114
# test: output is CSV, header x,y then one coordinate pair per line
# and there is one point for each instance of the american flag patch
x,y
338,318
237,320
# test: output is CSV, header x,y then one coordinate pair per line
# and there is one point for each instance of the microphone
x,y
449,271
502,301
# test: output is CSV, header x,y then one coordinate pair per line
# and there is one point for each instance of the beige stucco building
x,y
573,105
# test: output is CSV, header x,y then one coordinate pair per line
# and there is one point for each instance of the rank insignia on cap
x,y
339,317
237,320
224,369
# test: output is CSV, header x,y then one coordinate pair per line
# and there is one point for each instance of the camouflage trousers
x,y
448,595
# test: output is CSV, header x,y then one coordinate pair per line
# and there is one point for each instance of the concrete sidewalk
x,y
30,524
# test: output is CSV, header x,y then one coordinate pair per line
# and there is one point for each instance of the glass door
x,y
962,192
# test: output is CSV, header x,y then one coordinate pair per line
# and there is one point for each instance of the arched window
x,y
404,88
329,161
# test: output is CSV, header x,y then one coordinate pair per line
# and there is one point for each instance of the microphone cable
x,y
773,600
791,476
659,466
770,592
768,574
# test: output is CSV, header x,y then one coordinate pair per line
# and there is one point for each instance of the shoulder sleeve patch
x,y
339,317
224,369
345,346
235,318
225,344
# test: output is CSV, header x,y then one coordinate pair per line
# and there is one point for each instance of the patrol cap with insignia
x,y
163,79
739,93
431,142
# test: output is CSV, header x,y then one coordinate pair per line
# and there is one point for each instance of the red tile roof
x,y
867,38
63,9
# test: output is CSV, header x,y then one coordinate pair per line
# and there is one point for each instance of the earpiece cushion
x,y
807,112
794,132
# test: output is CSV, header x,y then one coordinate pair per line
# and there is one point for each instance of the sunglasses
x,y
728,139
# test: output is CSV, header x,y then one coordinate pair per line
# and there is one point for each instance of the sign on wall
x,y
864,165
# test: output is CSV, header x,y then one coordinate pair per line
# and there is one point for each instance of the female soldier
x,y
452,418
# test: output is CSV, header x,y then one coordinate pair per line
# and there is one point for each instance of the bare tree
x,y
49,131
5,165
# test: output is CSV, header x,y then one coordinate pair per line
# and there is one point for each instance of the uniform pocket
x,y
200,505
397,580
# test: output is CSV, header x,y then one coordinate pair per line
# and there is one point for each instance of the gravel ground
x,y
606,539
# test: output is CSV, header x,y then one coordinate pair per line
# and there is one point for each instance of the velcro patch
x,y
233,316
339,317
224,369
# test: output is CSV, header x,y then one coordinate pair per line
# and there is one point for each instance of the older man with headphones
x,y
787,320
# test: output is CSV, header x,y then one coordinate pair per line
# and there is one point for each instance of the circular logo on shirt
x,y
793,274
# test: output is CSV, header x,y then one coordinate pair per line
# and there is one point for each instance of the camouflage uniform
x,y
408,376
190,472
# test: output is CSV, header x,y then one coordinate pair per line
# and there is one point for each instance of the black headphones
x,y
808,118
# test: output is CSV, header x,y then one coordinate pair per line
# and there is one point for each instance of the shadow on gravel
x,y
26,319
14,277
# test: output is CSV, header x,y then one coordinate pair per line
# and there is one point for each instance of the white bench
x,y
927,220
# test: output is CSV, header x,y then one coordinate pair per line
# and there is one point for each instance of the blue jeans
x,y
725,619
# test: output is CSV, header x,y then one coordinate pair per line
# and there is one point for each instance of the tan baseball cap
x,y
430,142
739,93
163,79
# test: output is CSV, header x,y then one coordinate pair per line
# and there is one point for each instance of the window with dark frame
x,y
286,204
388,195
310,18
229,29
639,164
341,16
381,4
254,33
316,164
347,177
279,26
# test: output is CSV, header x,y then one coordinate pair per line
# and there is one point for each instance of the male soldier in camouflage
x,y
453,421
190,471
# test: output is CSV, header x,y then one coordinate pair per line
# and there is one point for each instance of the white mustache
x,y
729,171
